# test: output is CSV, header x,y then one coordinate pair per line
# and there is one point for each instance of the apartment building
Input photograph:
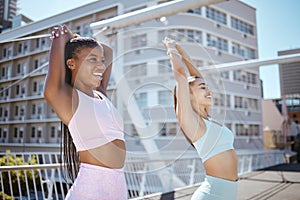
x,y
289,85
8,10
224,32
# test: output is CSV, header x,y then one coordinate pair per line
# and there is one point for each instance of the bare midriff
x,y
223,165
110,155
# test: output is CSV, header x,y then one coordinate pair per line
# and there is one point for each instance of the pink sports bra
x,y
95,122
216,139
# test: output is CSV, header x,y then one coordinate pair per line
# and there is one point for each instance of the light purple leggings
x,y
98,183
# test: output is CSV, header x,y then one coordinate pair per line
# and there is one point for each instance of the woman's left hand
x,y
62,32
169,43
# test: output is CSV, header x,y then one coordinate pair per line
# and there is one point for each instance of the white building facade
x,y
224,32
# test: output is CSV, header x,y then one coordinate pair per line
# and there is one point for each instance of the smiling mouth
x,y
98,74
209,97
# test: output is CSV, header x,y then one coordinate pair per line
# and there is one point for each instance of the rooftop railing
x,y
46,181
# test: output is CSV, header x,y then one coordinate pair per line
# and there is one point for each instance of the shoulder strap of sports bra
x,y
100,94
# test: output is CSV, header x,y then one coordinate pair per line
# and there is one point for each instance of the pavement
x,y
280,182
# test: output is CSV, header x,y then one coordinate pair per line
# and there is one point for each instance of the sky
x,y
278,28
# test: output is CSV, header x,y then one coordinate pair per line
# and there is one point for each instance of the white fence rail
x,y
43,179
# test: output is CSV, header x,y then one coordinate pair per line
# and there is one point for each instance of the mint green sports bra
x,y
216,139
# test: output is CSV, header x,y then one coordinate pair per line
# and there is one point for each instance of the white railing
x,y
258,159
46,181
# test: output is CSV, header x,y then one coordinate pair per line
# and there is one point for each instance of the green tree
x,y
32,175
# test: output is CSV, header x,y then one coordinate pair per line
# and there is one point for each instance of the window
x,y
216,99
198,63
59,133
20,48
172,128
4,52
195,11
3,71
254,129
141,99
139,41
86,30
23,90
17,89
240,130
250,53
237,49
137,70
190,35
25,48
216,15
225,75
22,112
41,88
181,35
198,36
52,135
242,26
20,134
16,110
164,66
165,97
219,43
43,42
18,68
39,134
16,132
34,86
9,53
36,64
162,129
251,78
237,75
168,129
238,102
242,51
39,110
219,99
37,43
33,132
228,104
33,109
253,104
245,103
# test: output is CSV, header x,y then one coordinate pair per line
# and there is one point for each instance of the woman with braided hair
x,y
75,87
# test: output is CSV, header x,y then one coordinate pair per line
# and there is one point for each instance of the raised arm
x,y
190,122
193,71
108,54
57,92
